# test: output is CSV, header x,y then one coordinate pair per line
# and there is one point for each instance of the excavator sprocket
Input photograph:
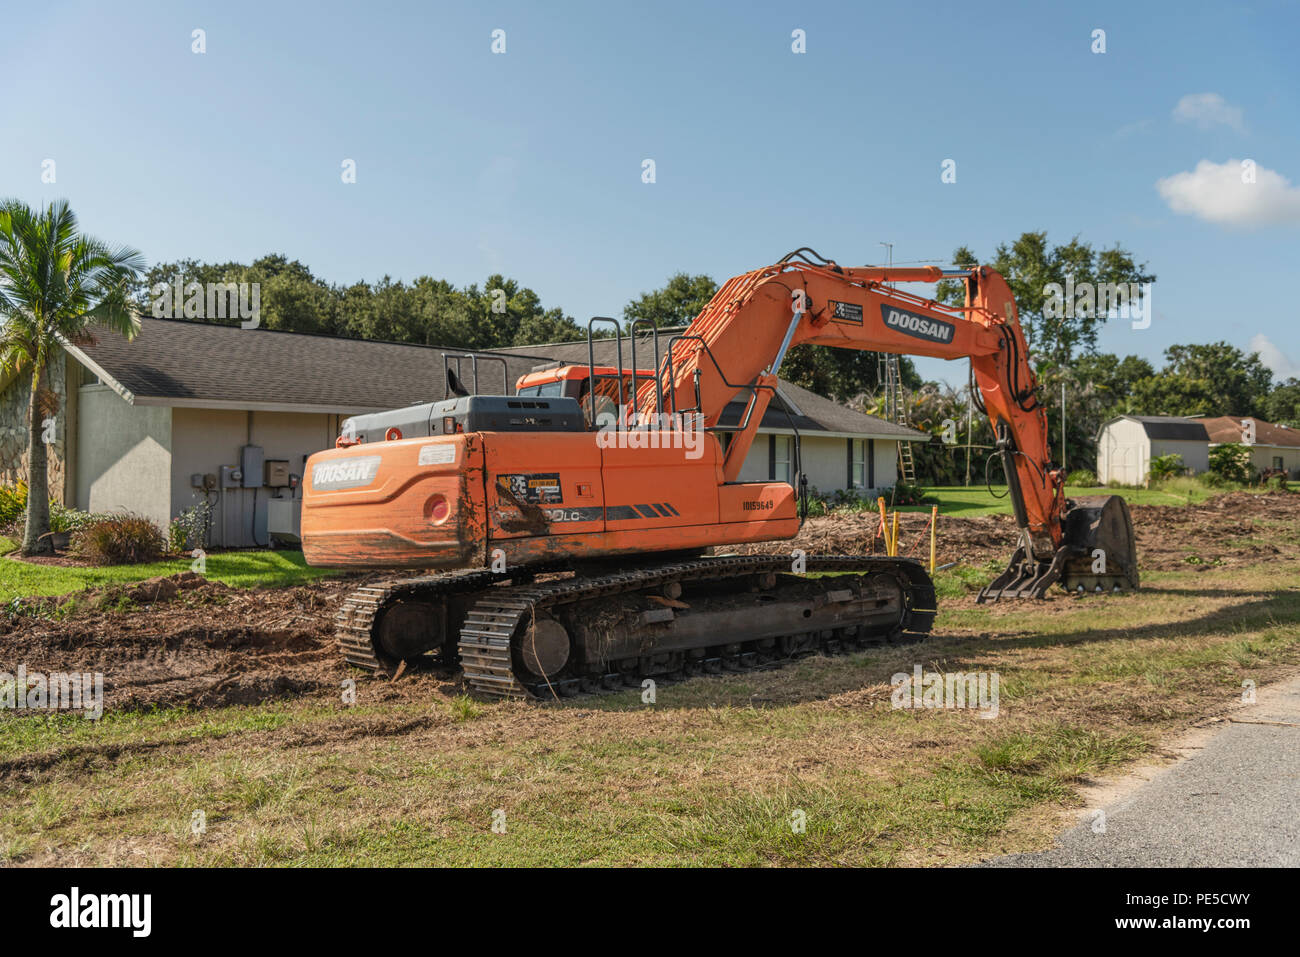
x,y
588,634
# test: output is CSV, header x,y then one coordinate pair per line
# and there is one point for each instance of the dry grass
x,y
714,773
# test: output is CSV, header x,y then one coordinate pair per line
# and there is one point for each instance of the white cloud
x,y
1208,110
1223,193
1273,357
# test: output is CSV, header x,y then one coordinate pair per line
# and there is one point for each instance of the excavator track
x,y
500,625
490,620
360,612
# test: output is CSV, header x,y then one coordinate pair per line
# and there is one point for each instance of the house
x,y
1126,445
1272,446
189,412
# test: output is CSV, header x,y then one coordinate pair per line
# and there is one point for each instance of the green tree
x,y
1231,461
676,304
1206,379
56,284
846,375
1031,268
1282,405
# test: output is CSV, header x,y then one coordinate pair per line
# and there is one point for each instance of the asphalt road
x,y
1234,803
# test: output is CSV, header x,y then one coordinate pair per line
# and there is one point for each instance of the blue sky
x,y
529,162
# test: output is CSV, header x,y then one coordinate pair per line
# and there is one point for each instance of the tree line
x,y
426,311
1194,379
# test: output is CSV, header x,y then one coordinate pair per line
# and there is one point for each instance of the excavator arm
x,y
737,344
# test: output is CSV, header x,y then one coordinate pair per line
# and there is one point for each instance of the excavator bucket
x,y
1099,534
1098,553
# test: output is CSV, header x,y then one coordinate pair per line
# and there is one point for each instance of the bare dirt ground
x,y
1232,529
187,641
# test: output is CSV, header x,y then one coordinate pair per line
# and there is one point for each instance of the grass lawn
x,y
240,569
713,773
976,500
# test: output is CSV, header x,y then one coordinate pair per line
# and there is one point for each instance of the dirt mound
x,y
183,640
1240,528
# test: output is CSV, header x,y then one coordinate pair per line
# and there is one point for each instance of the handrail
x,y
591,368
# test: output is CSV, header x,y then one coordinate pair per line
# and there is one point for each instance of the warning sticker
x,y
443,454
846,312
534,488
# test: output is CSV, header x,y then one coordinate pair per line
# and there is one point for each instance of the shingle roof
x,y
1168,427
176,362
1229,428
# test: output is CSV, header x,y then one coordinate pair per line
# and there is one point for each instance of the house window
x,y
783,459
1277,461
859,466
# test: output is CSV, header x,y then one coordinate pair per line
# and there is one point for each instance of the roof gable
x,y
1231,428
1170,428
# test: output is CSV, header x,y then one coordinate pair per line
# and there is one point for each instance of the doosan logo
x,y
922,327
346,473
103,910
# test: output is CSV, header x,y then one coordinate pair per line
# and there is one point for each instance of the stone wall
x,y
13,429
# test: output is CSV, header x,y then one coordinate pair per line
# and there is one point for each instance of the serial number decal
x,y
849,312
534,488
761,506
347,473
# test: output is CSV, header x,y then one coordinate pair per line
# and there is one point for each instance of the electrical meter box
x,y
277,473
250,463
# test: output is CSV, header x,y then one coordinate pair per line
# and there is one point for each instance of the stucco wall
x,y
1262,456
206,439
123,455
825,462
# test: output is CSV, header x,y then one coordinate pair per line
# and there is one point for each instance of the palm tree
x,y
56,285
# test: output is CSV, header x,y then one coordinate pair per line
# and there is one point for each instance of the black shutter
x,y
771,458
848,485
871,463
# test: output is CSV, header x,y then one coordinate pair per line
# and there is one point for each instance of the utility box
x,y
250,463
277,473
284,519
230,476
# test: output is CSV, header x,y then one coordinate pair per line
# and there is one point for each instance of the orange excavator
x,y
570,534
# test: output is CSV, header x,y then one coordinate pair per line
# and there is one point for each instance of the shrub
x,y
904,494
13,503
1231,462
64,519
1082,478
1166,466
119,540
189,529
